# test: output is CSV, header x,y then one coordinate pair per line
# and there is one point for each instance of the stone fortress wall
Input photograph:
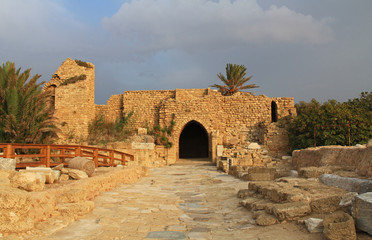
x,y
228,120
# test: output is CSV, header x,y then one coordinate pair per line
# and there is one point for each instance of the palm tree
x,y
25,115
234,81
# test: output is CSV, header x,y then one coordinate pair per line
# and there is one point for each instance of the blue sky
x,y
303,49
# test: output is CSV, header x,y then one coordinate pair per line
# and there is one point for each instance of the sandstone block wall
x,y
349,158
74,102
228,120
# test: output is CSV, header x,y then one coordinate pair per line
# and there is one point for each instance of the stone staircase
x,y
288,199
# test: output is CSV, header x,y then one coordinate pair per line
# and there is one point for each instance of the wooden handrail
x,y
49,153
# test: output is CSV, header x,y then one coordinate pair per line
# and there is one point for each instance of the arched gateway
x,y
193,142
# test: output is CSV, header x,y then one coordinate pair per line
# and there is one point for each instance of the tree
x,y
334,123
26,116
234,80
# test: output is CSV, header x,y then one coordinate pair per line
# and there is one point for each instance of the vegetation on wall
x,y
26,116
83,64
74,79
163,134
234,80
102,131
332,122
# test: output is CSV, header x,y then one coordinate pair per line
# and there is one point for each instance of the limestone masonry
x,y
201,114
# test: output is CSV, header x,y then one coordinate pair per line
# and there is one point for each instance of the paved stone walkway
x,y
185,201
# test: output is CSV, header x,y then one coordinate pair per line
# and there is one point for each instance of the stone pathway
x,y
190,200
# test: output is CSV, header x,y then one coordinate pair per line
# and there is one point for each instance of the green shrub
x,y
331,122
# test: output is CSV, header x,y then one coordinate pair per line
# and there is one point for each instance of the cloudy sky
x,y
303,49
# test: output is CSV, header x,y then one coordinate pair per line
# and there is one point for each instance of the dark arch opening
x,y
193,141
274,112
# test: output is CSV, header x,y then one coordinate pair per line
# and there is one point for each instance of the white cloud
x,y
156,25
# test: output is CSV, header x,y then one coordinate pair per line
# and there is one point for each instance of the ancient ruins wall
x,y
112,110
21,211
145,105
74,102
350,158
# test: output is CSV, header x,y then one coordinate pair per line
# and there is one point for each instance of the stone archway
x,y
193,141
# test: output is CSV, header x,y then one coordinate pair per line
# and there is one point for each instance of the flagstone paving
x,y
190,200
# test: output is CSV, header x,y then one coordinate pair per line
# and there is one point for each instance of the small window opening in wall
x,y
274,112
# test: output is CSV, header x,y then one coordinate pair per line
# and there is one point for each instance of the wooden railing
x,y
32,155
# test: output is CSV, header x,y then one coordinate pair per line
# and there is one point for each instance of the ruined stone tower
x,y
72,87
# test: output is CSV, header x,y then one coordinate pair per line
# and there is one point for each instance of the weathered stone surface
x,y
362,212
219,150
314,225
253,146
314,172
349,184
7,164
29,181
266,220
351,158
64,177
293,173
77,174
260,174
338,226
58,167
167,235
291,211
83,164
347,199
325,204
75,209
4,176
47,172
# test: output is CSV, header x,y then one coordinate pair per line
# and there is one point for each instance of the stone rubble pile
x,y
33,179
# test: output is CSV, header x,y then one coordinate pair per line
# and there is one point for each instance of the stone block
x,y
47,172
314,225
8,164
325,204
64,177
362,212
348,184
219,150
313,172
260,174
29,181
338,226
291,211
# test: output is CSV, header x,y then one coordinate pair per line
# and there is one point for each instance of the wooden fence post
x,y
48,155
95,157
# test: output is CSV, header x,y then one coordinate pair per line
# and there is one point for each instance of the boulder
x,y
339,225
8,164
348,184
29,181
77,174
314,225
346,201
142,131
293,173
58,167
362,212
